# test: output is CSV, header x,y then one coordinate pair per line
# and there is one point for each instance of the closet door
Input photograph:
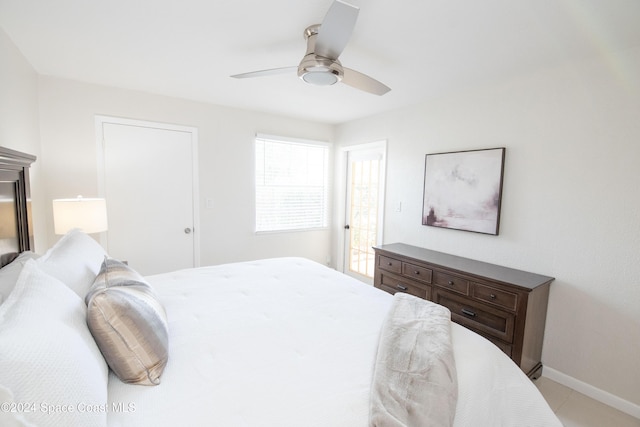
x,y
150,192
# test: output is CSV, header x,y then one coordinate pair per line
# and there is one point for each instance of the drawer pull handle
x,y
492,296
416,272
402,288
450,283
390,264
468,312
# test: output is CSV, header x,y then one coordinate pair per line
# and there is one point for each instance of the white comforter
x,y
289,342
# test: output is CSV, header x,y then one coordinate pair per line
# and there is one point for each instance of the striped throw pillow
x,y
128,323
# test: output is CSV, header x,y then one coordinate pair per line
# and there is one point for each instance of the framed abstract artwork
x,y
463,190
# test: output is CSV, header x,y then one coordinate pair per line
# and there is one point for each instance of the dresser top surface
x,y
486,270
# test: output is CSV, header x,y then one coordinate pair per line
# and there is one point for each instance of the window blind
x,y
291,185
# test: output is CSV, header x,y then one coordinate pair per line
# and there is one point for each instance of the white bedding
x,y
289,342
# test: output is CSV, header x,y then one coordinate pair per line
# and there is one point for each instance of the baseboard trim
x,y
593,392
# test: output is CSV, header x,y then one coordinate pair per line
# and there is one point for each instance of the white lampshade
x,y
88,215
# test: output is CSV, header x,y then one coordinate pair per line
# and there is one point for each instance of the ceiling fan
x,y
325,42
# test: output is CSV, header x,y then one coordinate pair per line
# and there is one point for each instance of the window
x,y
291,184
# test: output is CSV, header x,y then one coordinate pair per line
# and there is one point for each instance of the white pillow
x,y
47,355
75,260
10,272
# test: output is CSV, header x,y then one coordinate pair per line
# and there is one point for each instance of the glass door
x,y
364,205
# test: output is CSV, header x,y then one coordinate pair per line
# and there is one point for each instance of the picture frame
x,y
463,190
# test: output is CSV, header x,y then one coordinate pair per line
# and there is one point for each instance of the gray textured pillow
x,y
128,323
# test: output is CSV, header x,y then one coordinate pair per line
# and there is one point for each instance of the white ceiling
x,y
421,49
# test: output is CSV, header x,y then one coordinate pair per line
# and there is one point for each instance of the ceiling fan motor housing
x,y
316,69
320,71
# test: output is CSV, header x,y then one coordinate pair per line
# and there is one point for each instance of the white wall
x,y
571,203
19,129
226,135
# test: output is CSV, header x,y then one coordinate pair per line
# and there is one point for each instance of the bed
x,y
273,342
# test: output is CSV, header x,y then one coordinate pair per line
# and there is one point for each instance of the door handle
x,y
346,227
187,230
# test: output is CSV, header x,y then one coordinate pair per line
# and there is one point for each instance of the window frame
x,y
327,181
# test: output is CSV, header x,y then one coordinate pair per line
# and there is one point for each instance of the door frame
x,y
101,120
341,264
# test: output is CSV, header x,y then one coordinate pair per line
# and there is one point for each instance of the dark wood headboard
x,y
16,231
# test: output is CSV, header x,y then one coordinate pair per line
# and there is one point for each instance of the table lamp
x,y
87,214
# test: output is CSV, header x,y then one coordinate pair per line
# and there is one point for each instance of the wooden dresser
x,y
506,306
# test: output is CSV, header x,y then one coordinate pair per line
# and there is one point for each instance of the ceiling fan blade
x,y
363,82
335,30
263,73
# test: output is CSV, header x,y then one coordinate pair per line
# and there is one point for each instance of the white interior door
x,y
364,209
149,188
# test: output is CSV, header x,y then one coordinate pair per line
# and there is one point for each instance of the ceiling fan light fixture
x,y
320,76
320,71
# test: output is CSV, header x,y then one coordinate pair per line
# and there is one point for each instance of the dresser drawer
x,y
416,272
477,316
451,283
491,295
389,264
392,285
